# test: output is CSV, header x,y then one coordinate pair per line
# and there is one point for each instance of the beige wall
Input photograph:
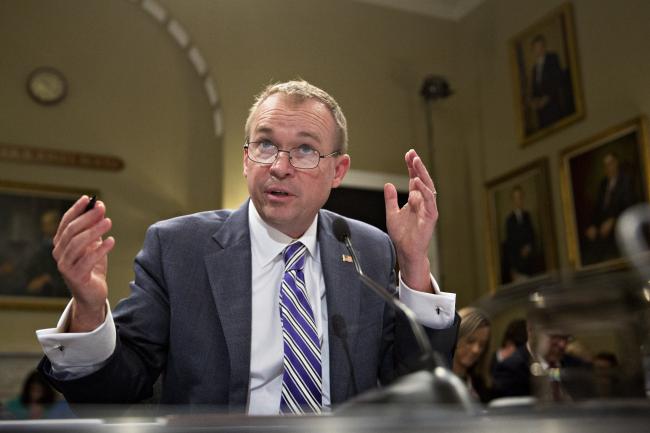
x,y
134,95
371,59
613,40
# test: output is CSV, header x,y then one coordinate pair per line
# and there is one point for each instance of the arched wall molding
x,y
182,38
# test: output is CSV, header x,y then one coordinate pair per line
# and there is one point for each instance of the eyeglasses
x,y
303,156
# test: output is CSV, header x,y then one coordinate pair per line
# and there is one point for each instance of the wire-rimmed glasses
x,y
303,156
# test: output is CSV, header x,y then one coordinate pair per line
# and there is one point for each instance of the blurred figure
x,y
514,337
550,98
545,354
43,277
13,255
552,349
519,242
9,276
605,374
616,193
561,375
470,356
35,400
579,350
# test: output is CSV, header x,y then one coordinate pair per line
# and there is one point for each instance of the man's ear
x,y
342,167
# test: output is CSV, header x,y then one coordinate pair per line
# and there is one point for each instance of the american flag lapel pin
x,y
345,258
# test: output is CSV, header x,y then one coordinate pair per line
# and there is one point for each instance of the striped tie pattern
x,y
301,380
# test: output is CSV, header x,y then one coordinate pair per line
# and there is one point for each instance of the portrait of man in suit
x,y
546,82
603,176
519,245
550,96
43,279
616,192
520,215
29,217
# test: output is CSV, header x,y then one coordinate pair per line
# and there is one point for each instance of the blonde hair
x,y
301,90
472,319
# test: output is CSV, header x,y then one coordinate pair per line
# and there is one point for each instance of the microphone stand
x,y
429,360
434,384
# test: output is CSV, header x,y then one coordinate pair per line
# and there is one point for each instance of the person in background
x,y
233,308
545,352
514,337
35,401
470,356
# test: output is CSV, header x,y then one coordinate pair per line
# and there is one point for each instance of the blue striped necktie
x,y
301,380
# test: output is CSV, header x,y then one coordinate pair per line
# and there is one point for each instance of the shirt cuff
x,y
434,310
78,353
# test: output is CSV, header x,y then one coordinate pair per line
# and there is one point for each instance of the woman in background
x,y
470,357
37,400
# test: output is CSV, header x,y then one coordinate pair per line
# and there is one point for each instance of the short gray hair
x,y
302,91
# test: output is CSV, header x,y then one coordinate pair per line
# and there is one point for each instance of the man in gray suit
x,y
206,309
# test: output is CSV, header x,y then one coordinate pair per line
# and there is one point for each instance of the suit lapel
x,y
342,294
229,272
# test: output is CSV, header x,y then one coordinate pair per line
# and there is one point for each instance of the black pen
x,y
91,203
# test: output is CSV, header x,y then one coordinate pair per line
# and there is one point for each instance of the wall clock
x,y
47,85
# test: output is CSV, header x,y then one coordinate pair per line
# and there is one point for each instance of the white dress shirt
x,y
75,355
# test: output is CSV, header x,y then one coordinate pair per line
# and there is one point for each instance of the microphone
x,y
429,357
341,331
435,384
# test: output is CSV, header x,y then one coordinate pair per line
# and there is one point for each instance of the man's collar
x,y
268,242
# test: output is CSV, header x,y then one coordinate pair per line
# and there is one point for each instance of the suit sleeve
x,y
142,322
511,377
402,354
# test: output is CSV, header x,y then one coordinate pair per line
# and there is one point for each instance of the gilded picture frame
x,y
29,217
520,234
546,76
600,178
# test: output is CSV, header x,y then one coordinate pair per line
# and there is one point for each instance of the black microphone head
x,y
341,229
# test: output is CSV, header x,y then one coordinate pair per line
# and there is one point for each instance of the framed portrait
x,y
520,235
546,77
601,177
29,217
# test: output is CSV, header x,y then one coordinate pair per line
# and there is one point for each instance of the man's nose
x,y
282,167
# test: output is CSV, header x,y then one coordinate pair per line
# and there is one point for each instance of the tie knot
x,y
294,256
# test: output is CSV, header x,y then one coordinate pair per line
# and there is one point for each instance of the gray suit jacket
x,y
189,317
